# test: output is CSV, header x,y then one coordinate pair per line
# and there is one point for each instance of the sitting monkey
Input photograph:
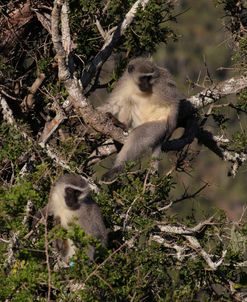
x,y
146,100
70,202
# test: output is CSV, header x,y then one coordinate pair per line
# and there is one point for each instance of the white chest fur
x,y
58,208
148,109
133,108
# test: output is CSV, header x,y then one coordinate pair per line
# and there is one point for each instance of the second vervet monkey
x,y
146,100
70,202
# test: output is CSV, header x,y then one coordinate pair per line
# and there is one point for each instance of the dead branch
x,y
52,125
182,230
101,152
45,20
215,144
8,116
60,162
7,112
29,211
189,235
198,248
29,99
180,250
211,95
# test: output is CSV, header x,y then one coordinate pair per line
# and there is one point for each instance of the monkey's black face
x,y
143,75
145,84
73,198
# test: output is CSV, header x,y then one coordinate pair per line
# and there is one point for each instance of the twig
x,y
51,127
128,211
29,99
190,196
180,255
100,29
45,20
197,247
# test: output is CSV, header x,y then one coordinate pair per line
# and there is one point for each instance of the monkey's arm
x,y
143,138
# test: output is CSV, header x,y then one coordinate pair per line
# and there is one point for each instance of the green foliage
x,y
141,36
242,101
44,63
12,144
239,141
144,37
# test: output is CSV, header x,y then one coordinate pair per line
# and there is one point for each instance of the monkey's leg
x,y
141,139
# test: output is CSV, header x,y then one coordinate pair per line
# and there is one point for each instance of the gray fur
x,y
82,210
146,100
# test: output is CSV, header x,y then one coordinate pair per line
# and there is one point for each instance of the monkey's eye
x,y
131,68
146,78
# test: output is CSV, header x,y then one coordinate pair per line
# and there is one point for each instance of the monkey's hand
x,y
111,176
116,122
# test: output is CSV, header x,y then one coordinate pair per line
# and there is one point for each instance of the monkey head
x,y
144,73
76,190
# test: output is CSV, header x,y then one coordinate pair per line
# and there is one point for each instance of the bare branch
x,y
180,250
29,99
66,38
213,94
51,126
55,158
198,248
182,230
101,152
7,112
45,20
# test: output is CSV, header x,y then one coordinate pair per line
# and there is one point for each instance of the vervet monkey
x,y
70,202
146,100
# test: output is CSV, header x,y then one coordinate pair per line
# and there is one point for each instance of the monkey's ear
x,y
131,68
71,197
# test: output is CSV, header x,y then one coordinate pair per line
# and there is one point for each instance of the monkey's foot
x,y
111,176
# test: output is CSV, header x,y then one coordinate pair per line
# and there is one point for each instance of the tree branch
x,y
211,95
